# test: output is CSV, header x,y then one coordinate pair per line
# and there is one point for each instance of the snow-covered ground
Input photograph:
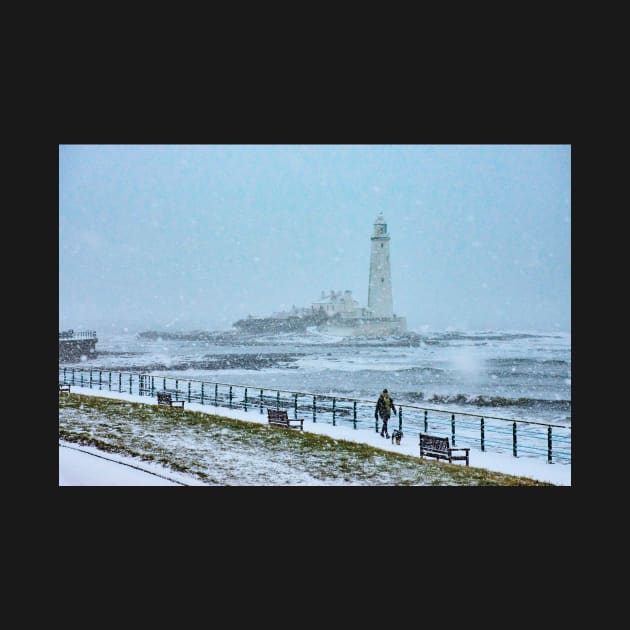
x,y
88,466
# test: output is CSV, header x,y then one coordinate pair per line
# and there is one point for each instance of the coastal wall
x,y
365,328
74,349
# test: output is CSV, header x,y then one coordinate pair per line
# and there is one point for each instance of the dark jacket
x,y
381,408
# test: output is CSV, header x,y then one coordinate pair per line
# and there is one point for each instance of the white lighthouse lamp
x,y
380,227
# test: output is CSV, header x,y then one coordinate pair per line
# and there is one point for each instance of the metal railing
x,y
527,438
79,334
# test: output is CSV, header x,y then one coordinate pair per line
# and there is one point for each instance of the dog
x,y
397,435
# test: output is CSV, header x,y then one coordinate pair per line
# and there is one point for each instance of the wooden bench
x,y
164,398
64,387
281,418
438,447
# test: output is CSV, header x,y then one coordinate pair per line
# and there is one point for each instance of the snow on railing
x,y
541,440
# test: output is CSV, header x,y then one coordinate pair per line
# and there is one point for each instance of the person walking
x,y
384,408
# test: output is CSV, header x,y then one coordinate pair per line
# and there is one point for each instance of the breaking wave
x,y
489,401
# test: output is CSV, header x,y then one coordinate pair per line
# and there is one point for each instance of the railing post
x,y
514,439
164,384
216,394
146,387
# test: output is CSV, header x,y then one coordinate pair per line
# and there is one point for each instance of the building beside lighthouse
x,y
345,317
337,312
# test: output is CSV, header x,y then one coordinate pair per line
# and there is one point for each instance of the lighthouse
x,y
380,287
345,317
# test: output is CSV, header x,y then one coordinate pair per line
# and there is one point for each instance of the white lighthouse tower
x,y
380,287
346,318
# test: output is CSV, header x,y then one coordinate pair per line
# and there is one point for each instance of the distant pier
x,y
75,344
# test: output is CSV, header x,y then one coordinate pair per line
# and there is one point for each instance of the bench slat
x,y
439,447
164,398
281,418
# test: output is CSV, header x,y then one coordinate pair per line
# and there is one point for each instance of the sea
x,y
520,375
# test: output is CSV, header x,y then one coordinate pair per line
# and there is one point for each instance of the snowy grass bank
x,y
218,450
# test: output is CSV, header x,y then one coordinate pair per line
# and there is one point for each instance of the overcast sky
x,y
198,236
